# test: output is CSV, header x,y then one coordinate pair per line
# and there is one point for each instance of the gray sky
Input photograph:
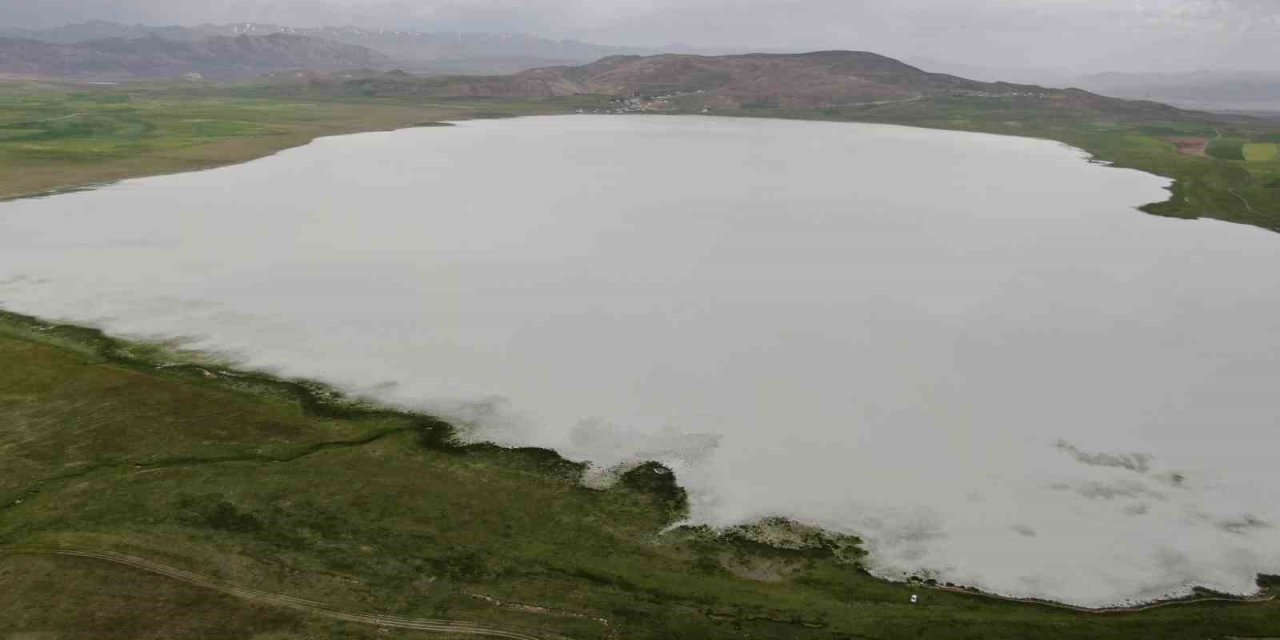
x,y
1069,35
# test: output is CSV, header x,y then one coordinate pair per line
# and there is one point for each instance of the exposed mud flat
x,y
970,350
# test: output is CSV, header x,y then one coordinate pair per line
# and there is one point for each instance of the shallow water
x,y
970,349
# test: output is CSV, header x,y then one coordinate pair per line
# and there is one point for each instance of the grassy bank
x,y
65,136
55,136
288,488
1236,180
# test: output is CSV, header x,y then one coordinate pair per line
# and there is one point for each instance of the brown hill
x,y
826,77
806,80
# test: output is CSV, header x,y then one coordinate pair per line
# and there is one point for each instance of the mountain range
x,y
513,65
218,57
414,51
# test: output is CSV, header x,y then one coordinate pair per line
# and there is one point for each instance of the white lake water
x,y
972,350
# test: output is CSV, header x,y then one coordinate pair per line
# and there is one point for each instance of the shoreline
x,y
51,176
322,400
325,400
472,112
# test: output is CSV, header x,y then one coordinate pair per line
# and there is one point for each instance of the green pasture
x,y
1261,152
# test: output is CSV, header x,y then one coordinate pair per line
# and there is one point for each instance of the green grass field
x,y
281,487
60,137
1261,152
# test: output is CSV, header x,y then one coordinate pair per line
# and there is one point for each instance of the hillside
x,y
810,79
829,77
220,57
818,79
823,79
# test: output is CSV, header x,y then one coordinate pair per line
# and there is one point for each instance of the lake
x,y
972,350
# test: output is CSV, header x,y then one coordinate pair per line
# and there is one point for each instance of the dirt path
x,y
288,602
1242,199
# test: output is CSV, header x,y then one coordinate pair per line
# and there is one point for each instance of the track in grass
x,y
289,602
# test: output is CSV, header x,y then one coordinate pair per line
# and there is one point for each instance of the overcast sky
x,y
1069,35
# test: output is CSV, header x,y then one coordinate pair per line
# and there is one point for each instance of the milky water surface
x,y
972,350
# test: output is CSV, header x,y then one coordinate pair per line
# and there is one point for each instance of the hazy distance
x,y
1042,36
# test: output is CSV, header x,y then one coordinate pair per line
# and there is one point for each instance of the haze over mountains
x,y
413,51
808,80
220,57
822,79
112,51
1212,90
1236,91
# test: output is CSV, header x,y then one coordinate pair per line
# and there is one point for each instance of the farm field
x,y
1261,152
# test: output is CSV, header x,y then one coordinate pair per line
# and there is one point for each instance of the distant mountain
x,y
434,53
96,30
806,80
830,77
464,52
218,57
1201,90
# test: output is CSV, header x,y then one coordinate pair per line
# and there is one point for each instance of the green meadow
x,y
56,137
1261,152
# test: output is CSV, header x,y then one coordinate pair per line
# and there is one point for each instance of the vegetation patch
x,y
1227,148
1261,151
54,137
